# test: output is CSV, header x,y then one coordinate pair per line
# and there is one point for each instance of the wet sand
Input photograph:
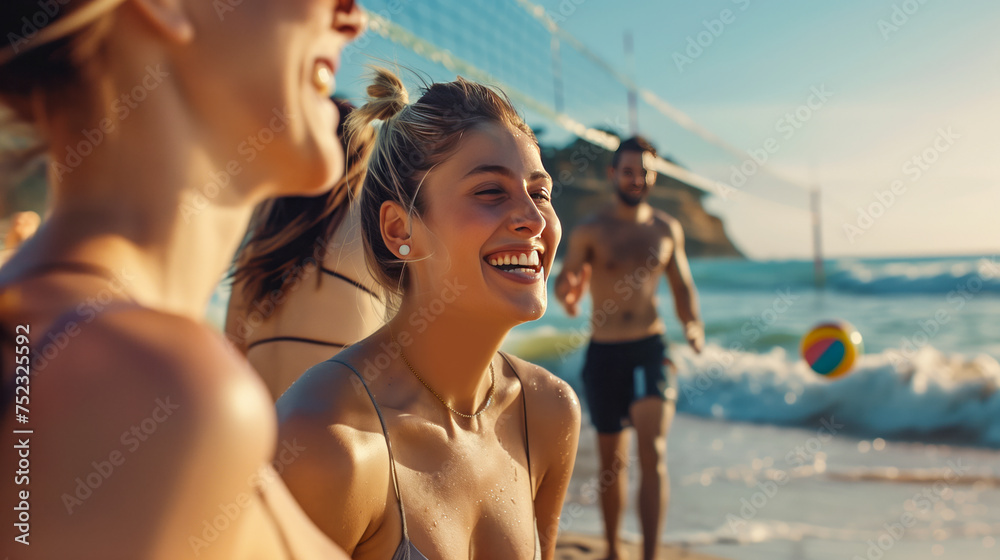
x,y
576,546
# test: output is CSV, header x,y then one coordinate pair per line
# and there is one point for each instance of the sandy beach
x,y
576,546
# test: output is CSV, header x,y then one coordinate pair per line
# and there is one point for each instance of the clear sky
x,y
900,79
896,79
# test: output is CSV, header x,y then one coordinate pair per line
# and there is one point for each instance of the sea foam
x,y
927,394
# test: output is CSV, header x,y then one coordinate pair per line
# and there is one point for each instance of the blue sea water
x,y
770,460
931,329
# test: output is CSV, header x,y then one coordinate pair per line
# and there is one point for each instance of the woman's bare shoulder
x,y
553,411
552,403
331,392
163,402
344,463
148,350
130,353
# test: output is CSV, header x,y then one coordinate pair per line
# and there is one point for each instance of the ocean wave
x,y
924,395
755,473
767,530
916,394
874,277
764,530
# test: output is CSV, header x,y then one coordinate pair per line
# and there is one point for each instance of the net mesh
x,y
559,84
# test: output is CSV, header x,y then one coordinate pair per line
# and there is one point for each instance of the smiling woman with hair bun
x,y
145,434
439,444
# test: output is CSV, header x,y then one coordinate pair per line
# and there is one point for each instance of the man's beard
x,y
628,199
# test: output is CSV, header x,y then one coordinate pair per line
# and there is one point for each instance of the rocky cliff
x,y
581,187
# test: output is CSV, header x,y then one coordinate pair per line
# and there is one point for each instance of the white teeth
x,y
532,259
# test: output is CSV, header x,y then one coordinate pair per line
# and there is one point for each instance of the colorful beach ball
x,y
831,348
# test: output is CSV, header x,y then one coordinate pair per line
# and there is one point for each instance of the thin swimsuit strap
x,y
350,281
524,407
406,550
317,341
294,339
527,452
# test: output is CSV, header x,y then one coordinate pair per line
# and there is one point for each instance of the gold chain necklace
x,y
482,409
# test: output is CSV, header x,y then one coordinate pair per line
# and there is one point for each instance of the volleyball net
x,y
562,86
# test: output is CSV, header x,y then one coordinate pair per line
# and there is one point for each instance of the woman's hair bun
x,y
387,95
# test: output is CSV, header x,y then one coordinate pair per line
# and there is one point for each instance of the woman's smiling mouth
x,y
525,266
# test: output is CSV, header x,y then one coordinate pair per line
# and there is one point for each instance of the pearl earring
x,y
404,250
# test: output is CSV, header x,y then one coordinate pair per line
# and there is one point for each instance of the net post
x,y
817,223
633,97
557,80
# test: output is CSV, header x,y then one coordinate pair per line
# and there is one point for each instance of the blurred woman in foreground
x,y
166,122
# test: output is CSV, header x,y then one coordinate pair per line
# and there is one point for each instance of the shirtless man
x,y
621,253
